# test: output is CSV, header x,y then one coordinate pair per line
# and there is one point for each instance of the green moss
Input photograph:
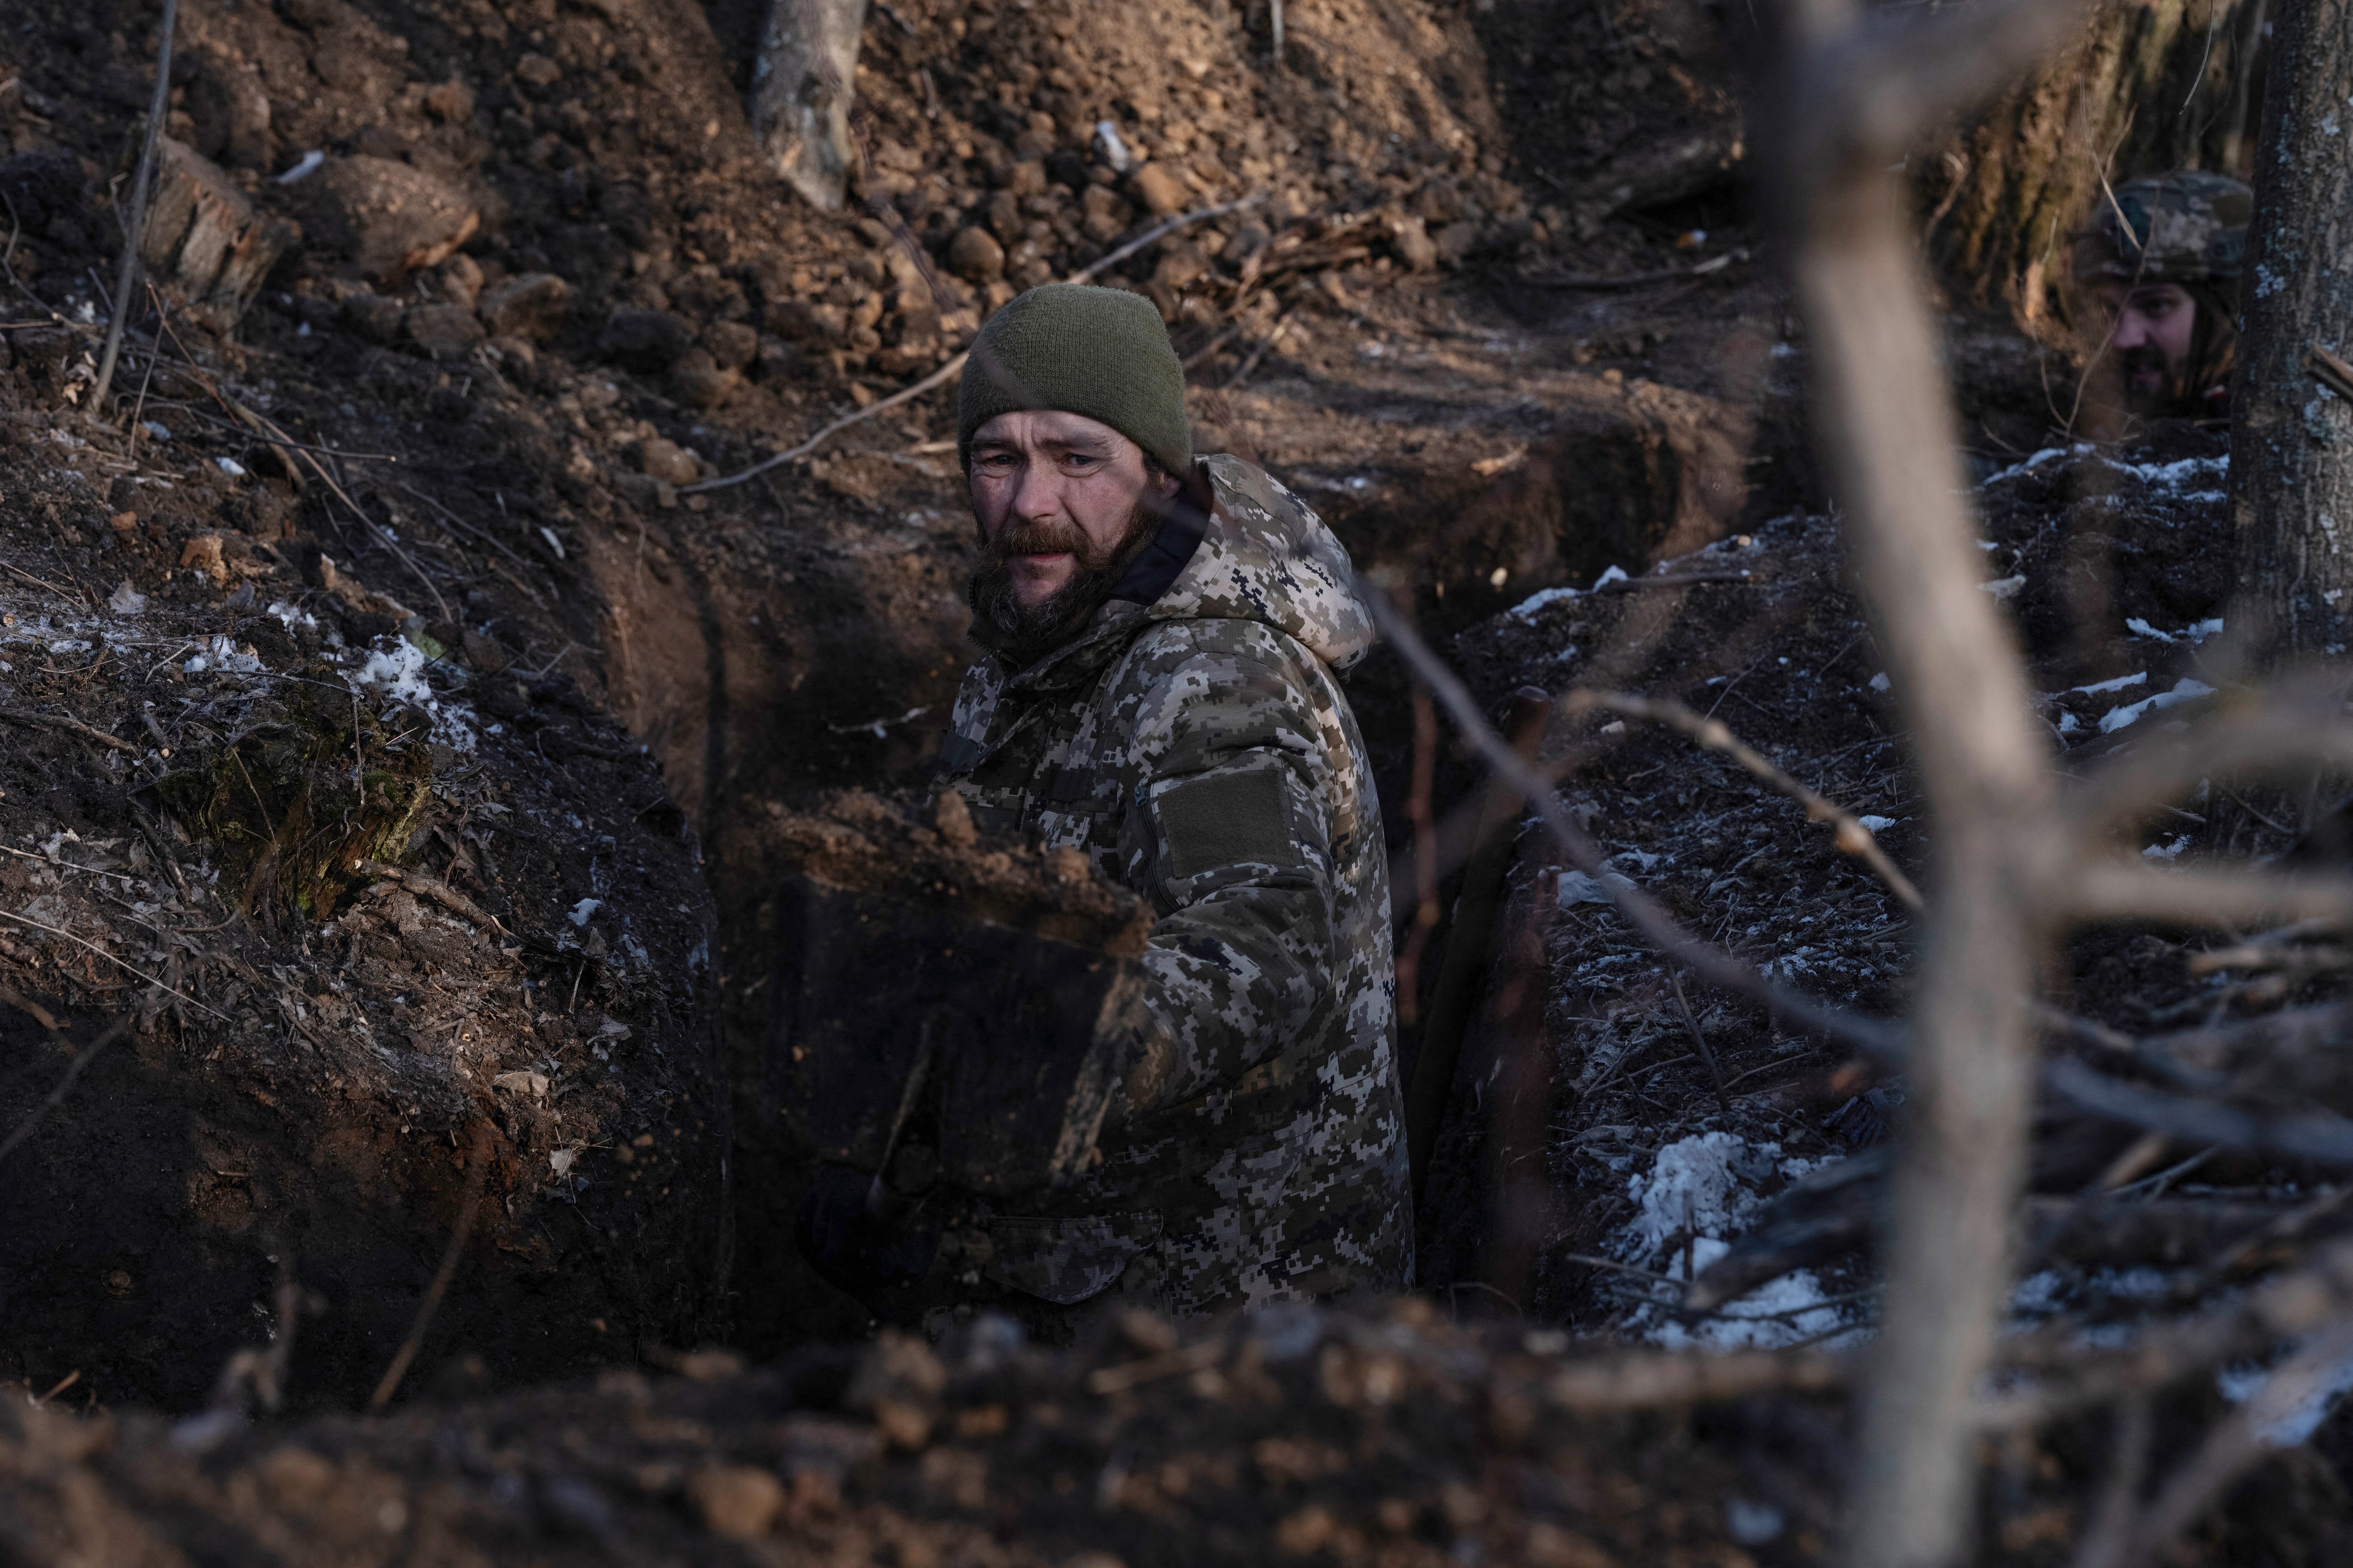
x,y
296,802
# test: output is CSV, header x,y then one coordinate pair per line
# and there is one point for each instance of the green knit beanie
x,y
1100,353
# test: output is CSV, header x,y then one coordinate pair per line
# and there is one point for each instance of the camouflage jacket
x,y
1194,744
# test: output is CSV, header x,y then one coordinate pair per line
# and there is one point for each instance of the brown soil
x,y
483,400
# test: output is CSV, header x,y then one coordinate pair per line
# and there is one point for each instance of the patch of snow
x,y
1880,683
2167,851
223,655
1525,610
230,466
397,667
155,432
2036,462
1577,888
2284,1421
1614,574
2069,723
2004,589
126,600
289,615
2198,632
1877,824
582,911
1694,1183
1753,1523
2102,688
2185,689
2170,476
1794,1307
307,167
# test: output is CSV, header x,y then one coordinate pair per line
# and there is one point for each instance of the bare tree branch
x,y
2321,1136
1858,90
2191,896
2296,725
2238,1441
1853,837
1886,78
1708,961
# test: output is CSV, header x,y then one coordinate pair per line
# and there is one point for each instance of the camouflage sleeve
x,y
1230,834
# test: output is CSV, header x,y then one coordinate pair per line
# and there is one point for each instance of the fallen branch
x,y
954,367
87,1055
477,1168
60,721
1853,837
2285,1307
439,892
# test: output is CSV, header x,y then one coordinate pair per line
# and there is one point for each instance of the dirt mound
x,y
1354,1439
355,897
1668,1096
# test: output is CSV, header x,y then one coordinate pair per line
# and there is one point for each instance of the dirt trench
x,y
528,266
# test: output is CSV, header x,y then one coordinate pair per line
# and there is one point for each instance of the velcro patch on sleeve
x,y
1227,819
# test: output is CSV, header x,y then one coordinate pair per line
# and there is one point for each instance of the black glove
x,y
846,1245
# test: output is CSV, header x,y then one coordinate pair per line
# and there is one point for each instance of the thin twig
x,y
87,1055
135,231
61,721
1853,837
1705,958
110,958
2238,1440
477,1167
453,519
954,367
1707,1052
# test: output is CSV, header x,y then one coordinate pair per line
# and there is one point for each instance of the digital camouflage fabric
x,y
2181,227
1194,744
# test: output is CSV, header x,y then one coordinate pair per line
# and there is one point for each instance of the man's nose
x,y
1038,495
2132,330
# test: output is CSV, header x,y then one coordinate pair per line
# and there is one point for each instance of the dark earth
x,y
404,757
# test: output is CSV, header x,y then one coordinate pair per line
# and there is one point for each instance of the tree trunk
x,y
2148,86
801,93
2291,435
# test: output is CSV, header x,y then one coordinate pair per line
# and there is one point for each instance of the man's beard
x,y
1021,634
2150,387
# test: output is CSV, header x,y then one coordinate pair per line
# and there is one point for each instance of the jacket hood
x,y
1261,554
1266,557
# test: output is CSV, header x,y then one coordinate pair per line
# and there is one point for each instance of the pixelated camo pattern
x,y
1198,749
2181,227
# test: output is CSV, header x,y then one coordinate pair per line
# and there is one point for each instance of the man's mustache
x,y
2142,361
1050,537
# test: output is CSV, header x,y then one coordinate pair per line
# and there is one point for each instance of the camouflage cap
x,y
2181,227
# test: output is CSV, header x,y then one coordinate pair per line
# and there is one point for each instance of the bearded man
x,y
1159,692
2162,263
